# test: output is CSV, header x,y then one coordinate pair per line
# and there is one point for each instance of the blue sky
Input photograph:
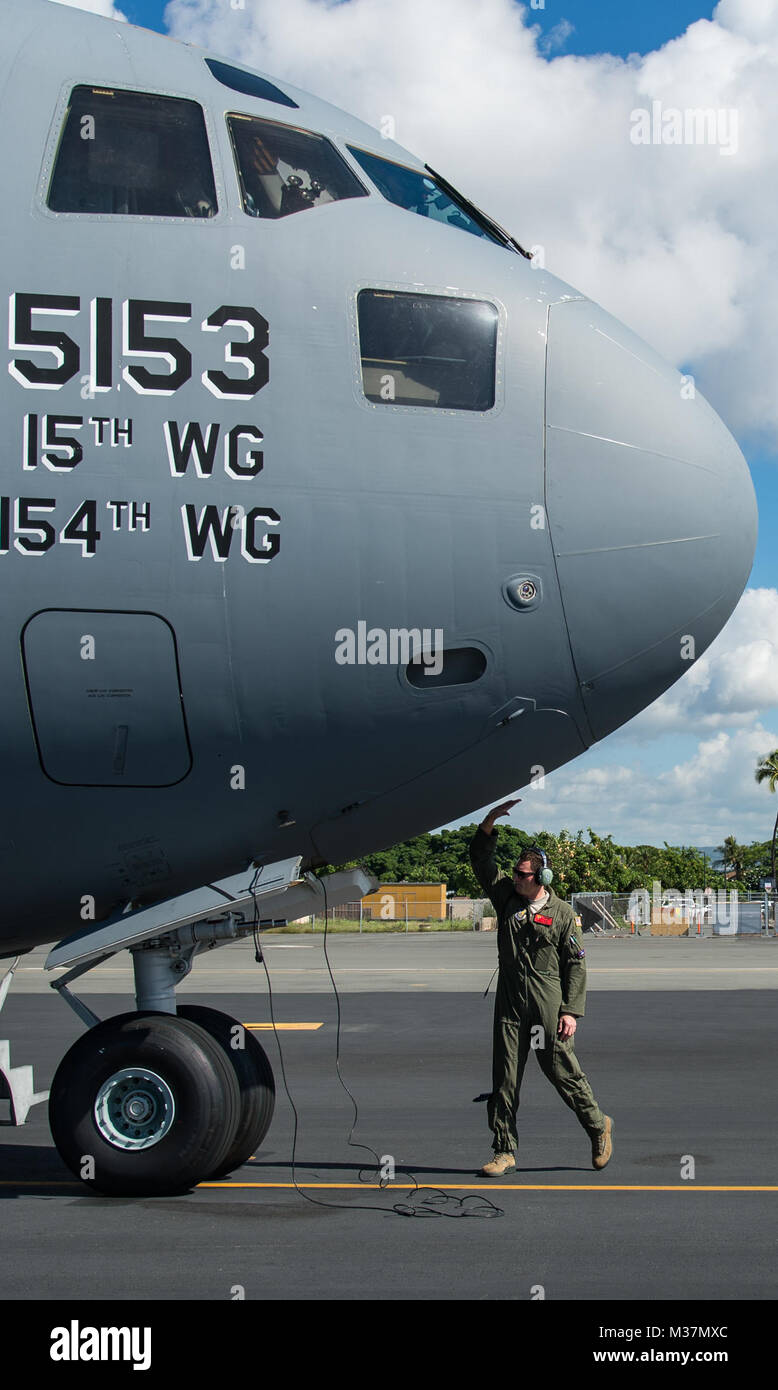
x,y
600,26
617,26
679,245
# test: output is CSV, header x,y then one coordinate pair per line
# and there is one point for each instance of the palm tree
x,y
732,853
767,771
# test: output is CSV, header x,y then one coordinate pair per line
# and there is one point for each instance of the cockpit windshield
x,y
429,197
284,170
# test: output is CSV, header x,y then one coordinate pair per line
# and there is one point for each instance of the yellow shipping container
x,y
398,901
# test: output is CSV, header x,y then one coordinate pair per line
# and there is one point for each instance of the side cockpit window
x,y
427,350
284,170
132,154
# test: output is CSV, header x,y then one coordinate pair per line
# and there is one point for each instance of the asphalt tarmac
x,y
679,1043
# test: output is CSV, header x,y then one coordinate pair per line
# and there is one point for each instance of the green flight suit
x,y
541,975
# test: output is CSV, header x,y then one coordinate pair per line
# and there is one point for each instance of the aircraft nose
x,y
651,512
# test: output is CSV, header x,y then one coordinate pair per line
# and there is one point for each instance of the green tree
x,y
684,866
732,855
756,863
645,866
767,771
582,861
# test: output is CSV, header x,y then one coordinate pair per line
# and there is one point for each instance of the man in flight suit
x,y
541,991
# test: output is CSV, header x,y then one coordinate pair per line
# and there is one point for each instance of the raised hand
x,y
504,809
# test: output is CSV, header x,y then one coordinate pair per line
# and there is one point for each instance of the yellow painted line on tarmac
x,y
498,1187
288,1027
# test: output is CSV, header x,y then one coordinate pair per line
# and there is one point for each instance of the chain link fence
x,y
668,912
399,913
671,912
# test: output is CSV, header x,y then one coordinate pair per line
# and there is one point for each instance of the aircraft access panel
x,y
105,698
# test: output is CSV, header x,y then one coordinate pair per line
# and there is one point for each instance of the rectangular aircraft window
x,y
133,154
427,349
418,192
284,170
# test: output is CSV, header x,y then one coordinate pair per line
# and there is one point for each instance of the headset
x,y
545,875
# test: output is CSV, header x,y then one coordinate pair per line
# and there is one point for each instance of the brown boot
x,y
602,1144
499,1166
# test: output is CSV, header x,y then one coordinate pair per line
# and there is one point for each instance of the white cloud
x,y
716,790
556,37
101,7
758,19
735,679
679,241
698,801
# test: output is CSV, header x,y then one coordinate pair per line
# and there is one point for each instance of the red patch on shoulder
x,y
544,921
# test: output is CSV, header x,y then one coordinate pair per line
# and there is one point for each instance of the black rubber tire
x,y
254,1076
205,1093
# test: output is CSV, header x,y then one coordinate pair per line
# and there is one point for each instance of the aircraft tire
x,y
151,1099
255,1081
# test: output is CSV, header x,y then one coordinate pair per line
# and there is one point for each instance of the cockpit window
x,y
427,350
419,193
133,154
284,170
249,83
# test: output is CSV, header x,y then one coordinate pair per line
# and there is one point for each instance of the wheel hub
x,y
134,1108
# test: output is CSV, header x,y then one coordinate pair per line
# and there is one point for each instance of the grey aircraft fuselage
x,y
175,698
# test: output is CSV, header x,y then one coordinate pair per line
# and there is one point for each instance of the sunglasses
x,y
517,874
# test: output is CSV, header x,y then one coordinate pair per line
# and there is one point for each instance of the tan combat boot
x,y
602,1144
499,1166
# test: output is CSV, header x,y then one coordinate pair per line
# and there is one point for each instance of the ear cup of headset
x,y
544,876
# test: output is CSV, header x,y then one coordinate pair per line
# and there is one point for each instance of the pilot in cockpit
x,y
273,188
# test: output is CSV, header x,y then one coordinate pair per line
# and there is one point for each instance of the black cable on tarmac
x,y
437,1201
